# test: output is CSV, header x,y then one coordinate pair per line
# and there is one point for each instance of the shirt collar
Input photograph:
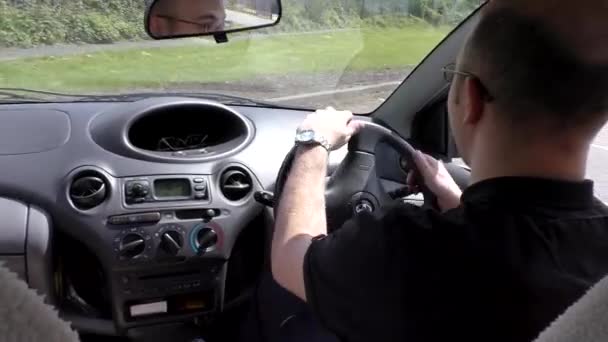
x,y
537,191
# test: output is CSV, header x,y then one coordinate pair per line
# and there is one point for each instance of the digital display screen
x,y
165,188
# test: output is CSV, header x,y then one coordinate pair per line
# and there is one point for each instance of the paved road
x,y
240,19
9,54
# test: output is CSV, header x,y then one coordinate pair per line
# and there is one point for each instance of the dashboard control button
x,y
148,218
132,219
137,191
210,213
132,245
200,195
171,242
116,220
200,188
198,180
205,239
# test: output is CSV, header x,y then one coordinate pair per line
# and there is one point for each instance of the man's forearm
x,y
299,217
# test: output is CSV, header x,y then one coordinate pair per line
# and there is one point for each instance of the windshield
x,y
350,54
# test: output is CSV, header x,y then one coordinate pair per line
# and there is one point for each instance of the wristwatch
x,y
309,137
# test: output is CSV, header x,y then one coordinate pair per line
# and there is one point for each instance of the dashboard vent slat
x,y
87,191
235,184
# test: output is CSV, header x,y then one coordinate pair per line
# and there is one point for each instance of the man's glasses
x,y
450,71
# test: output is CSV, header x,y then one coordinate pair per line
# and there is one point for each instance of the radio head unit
x,y
166,189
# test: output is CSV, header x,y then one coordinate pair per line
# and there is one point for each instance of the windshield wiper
x,y
222,98
24,95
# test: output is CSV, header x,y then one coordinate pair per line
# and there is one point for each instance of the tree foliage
x,y
26,23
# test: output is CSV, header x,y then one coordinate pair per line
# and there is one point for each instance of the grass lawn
x,y
367,49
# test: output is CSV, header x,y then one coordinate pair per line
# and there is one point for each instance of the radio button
x,y
198,180
134,219
210,213
200,188
140,189
118,220
200,195
148,218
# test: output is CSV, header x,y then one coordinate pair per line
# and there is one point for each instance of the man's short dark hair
x,y
530,69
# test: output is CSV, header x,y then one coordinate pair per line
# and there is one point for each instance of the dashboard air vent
x,y
236,184
88,191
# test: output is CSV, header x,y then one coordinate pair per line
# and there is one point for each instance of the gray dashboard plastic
x,y
25,244
14,226
31,131
39,253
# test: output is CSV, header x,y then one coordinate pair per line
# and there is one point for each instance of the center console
x,y
163,209
170,237
167,262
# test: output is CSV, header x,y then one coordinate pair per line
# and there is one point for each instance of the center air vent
x,y
235,184
88,191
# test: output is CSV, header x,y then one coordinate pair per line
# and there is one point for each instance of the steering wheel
x,y
354,186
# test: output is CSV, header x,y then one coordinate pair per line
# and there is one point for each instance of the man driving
x,y
501,261
186,17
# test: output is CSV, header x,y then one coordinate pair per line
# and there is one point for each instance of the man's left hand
x,y
337,127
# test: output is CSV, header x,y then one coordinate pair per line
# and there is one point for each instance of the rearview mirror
x,y
189,18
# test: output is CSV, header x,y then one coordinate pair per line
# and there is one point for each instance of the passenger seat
x,y
24,316
585,321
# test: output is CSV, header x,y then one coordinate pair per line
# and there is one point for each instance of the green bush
x,y
12,23
103,28
76,22
45,28
26,23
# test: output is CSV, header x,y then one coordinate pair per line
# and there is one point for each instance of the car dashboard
x,y
138,213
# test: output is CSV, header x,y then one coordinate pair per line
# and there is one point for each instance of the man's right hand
x,y
437,179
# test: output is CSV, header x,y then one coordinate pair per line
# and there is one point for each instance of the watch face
x,y
306,136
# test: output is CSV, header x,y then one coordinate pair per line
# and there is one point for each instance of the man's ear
x,y
473,101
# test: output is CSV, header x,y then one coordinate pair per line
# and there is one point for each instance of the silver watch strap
x,y
323,142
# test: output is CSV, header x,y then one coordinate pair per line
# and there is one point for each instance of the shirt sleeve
x,y
355,277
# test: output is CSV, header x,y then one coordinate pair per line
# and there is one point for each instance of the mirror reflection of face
x,y
187,17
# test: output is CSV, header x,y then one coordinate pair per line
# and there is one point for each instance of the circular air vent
x,y
235,184
88,191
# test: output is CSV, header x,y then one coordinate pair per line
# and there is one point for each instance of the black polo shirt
x,y
501,267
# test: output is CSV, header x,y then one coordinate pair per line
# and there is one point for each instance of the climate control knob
x,y
171,242
132,245
205,239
